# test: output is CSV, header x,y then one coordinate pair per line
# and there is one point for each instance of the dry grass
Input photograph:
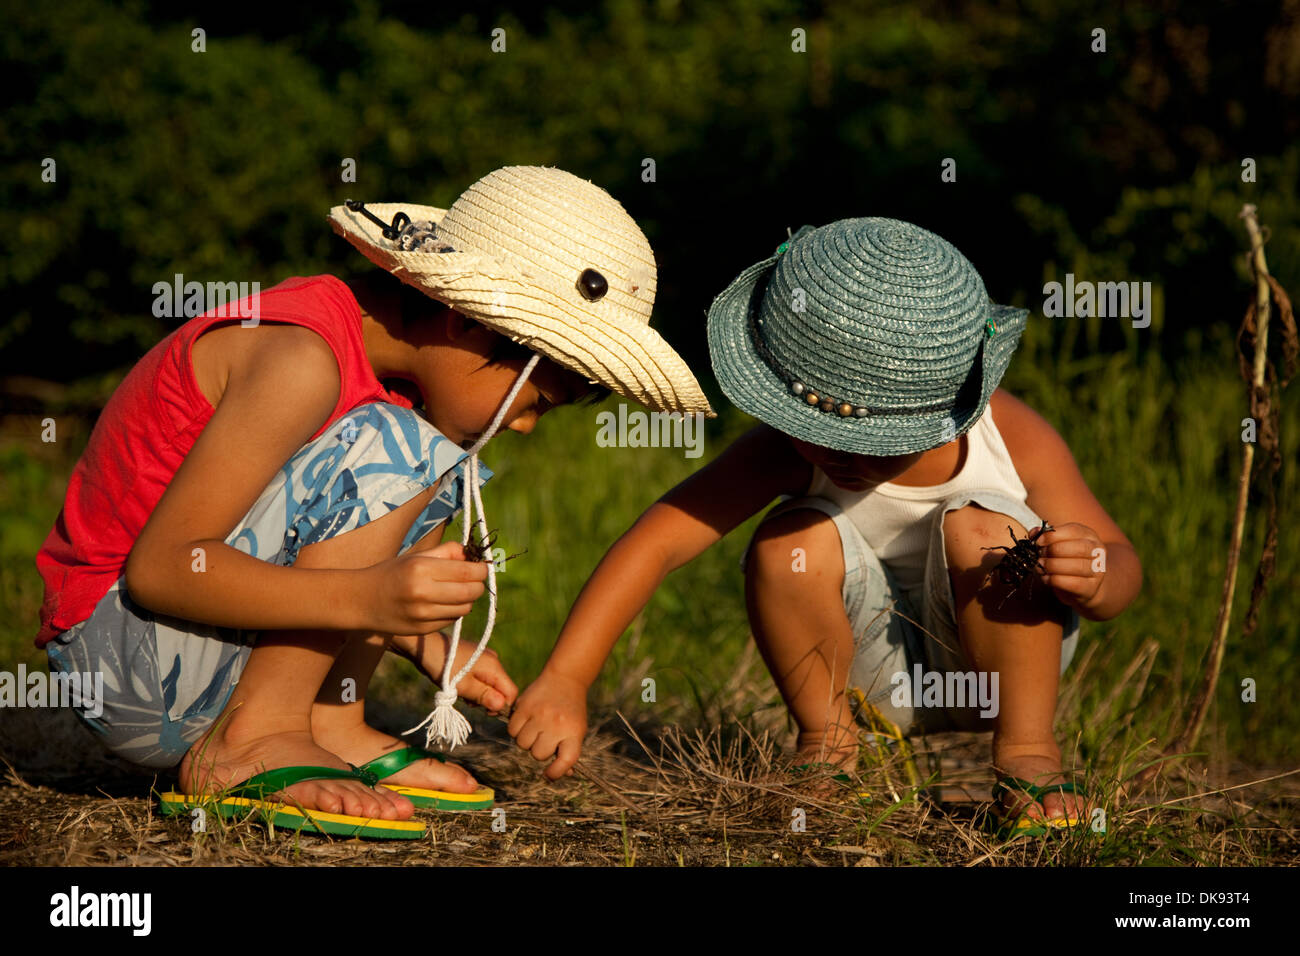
x,y
723,795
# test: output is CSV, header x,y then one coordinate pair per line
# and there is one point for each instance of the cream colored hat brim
x,y
523,301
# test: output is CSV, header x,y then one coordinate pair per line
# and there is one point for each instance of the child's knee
x,y
971,536
969,531
793,549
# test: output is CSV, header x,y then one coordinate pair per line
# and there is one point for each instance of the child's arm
x,y
1086,540
551,714
275,397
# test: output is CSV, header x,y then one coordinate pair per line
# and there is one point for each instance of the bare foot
x,y
231,754
839,750
360,743
1038,763
828,767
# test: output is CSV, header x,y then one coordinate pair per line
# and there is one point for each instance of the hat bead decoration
x,y
843,409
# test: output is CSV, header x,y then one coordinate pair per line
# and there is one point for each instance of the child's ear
x,y
454,324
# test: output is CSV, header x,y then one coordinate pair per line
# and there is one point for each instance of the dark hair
x,y
505,349
416,306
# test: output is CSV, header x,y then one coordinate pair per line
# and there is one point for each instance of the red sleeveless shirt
x,y
148,427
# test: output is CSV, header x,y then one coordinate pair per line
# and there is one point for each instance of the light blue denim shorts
x,y
165,679
891,635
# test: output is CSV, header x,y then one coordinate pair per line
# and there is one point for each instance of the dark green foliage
x,y
221,165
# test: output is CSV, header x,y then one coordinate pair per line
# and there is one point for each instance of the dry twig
x,y
1262,381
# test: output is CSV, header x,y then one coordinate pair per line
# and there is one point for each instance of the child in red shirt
x,y
256,517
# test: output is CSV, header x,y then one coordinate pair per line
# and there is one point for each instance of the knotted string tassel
x,y
446,724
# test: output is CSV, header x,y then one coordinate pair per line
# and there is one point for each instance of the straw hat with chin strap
x,y
545,258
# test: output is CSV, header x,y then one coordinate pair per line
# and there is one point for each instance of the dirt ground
x,y
652,796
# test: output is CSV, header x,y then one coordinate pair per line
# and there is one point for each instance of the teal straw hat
x,y
869,336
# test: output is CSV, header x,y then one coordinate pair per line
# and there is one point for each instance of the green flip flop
x,y
390,763
1024,826
252,796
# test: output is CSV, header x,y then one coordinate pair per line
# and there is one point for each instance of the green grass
x,y
1161,449
1159,445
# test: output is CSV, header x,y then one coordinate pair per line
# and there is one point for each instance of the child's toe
x,y
1028,809
400,805
1076,807
324,799
365,804
1053,806
448,776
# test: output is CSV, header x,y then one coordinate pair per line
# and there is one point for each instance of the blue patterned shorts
x,y
165,679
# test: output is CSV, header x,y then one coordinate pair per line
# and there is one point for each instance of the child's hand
x,y
487,685
1070,555
424,591
551,718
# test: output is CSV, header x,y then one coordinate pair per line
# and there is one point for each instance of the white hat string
x,y
445,723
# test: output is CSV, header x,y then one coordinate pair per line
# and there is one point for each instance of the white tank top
x,y
896,520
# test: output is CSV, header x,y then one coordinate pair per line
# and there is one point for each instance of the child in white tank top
x,y
894,519
871,353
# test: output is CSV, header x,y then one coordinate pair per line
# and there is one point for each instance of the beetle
x,y
1019,563
480,551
